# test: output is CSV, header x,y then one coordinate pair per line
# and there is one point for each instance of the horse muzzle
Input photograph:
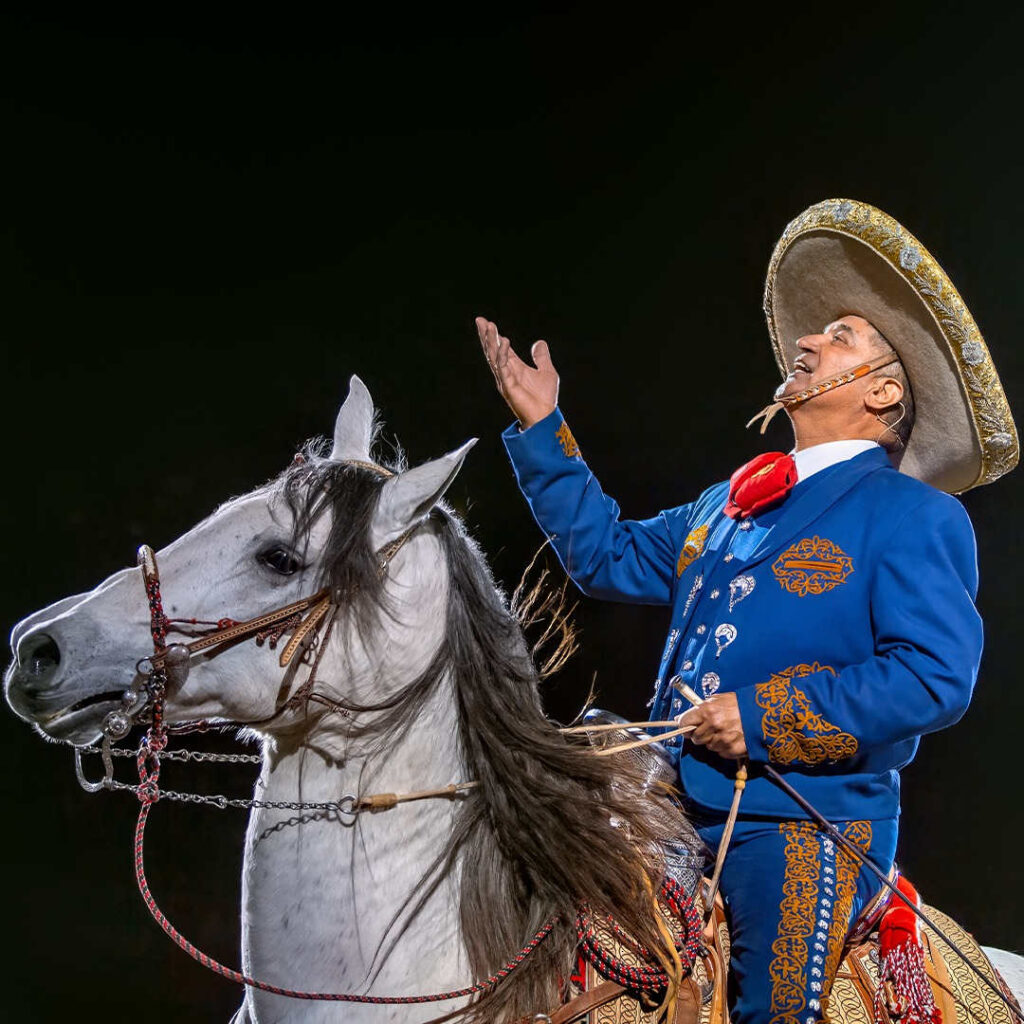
x,y
62,706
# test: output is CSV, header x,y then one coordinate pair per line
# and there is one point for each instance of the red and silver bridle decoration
x,y
168,666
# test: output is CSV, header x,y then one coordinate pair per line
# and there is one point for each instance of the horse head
x,y
318,526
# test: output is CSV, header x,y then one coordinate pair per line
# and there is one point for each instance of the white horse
x,y
423,681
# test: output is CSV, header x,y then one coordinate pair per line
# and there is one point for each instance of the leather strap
x,y
578,1008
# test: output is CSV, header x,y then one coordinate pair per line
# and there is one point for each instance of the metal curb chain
x,y
181,755
346,806
350,805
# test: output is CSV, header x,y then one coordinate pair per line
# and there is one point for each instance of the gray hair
x,y
899,418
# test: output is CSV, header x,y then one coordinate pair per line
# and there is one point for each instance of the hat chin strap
x,y
790,401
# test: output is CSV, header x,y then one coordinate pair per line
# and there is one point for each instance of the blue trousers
x,y
791,894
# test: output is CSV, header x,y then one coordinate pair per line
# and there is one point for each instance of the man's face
x,y
842,345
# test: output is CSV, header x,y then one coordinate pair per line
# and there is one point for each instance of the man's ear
x,y
884,393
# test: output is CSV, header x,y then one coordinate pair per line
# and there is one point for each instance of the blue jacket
x,y
843,619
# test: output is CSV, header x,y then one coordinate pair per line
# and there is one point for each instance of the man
x,y
822,603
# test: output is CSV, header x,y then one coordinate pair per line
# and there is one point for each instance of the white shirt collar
x,y
820,456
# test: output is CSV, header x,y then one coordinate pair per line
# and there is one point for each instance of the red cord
x,y
149,794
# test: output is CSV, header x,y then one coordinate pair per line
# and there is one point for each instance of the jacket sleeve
x,y
631,560
927,639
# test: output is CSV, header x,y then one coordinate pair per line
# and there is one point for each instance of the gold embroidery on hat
x,y
692,549
567,441
792,731
813,565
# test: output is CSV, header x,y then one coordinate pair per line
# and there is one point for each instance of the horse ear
x,y
408,497
353,429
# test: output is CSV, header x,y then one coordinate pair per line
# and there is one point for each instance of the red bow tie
x,y
761,483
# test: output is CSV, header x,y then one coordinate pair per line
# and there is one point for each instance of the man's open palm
x,y
530,391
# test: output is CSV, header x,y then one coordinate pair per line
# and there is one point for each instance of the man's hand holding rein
x,y
718,725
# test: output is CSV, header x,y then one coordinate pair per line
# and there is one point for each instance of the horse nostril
x,y
38,655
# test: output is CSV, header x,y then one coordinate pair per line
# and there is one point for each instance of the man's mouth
x,y
799,366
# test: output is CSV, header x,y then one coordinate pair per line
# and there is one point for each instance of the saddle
x,y
960,997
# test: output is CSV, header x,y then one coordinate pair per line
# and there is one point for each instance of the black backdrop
x,y
211,223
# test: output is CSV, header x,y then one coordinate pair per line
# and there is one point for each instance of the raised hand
x,y
530,391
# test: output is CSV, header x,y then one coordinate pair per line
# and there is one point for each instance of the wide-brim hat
x,y
840,258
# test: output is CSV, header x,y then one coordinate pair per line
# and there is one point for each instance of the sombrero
x,y
842,257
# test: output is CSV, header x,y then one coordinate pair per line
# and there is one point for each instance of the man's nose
x,y
809,342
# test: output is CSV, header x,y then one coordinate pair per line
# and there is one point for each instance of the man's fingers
x,y
488,335
491,343
504,352
541,355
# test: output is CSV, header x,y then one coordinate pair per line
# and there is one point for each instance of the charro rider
x,y
822,602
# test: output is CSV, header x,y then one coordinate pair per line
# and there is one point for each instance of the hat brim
x,y
841,257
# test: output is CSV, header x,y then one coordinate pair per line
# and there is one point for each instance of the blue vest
x,y
842,619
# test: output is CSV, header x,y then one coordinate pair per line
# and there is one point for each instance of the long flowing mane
x,y
550,826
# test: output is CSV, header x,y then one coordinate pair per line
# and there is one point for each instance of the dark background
x,y
210,223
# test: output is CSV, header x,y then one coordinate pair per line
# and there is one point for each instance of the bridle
x,y
169,664
309,620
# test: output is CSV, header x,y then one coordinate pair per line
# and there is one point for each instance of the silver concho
x,y
740,588
724,635
709,683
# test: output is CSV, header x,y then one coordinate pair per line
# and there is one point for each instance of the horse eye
x,y
280,559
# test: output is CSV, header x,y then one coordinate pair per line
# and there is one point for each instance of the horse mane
x,y
550,827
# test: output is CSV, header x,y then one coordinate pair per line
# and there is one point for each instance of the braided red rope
x,y
636,979
158,621
149,794
651,978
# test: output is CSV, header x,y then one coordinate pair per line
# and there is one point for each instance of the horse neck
x,y
320,897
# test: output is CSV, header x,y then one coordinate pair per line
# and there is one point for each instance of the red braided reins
x,y
265,986
636,979
148,764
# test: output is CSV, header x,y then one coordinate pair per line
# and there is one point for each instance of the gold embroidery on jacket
x,y
792,731
567,441
797,915
813,565
858,832
692,548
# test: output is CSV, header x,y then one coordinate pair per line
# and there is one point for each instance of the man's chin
x,y
787,388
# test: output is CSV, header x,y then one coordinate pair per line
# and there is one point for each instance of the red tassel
x,y
904,992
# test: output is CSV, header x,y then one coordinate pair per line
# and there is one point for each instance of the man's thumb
x,y
541,355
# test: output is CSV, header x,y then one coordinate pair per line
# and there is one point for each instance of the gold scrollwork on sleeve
x,y
567,441
793,733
